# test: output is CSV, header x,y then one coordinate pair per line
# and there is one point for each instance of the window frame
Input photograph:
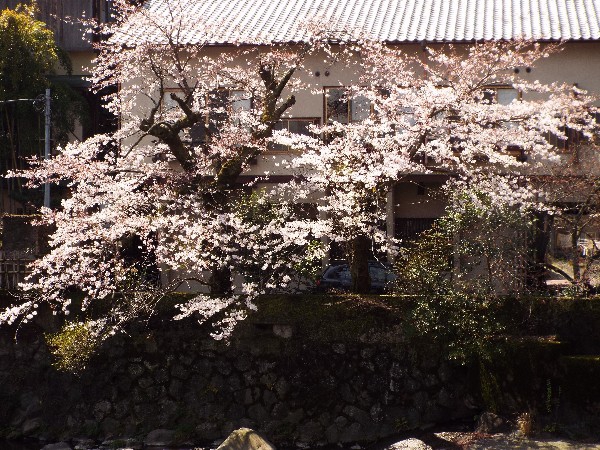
x,y
276,151
499,87
348,102
566,146
166,98
513,150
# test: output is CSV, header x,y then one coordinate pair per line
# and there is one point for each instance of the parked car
x,y
337,277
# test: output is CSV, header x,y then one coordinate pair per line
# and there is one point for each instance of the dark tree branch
x,y
555,269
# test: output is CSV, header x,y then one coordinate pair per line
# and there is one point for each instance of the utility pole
x,y
47,118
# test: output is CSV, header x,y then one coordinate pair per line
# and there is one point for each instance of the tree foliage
x,y
459,271
28,52
438,112
28,55
176,178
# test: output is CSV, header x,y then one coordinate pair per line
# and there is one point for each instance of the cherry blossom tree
x,y
162,203
443,111
165,201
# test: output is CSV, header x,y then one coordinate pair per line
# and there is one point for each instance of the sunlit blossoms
x,y
172,199
459,111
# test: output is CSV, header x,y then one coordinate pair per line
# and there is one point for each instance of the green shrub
x,y
456,271
73,346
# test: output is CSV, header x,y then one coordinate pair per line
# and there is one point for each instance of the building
x,y
410,24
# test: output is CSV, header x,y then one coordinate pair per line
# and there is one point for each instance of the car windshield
x,y
345,273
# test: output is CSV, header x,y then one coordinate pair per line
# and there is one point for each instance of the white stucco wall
x,y
576,63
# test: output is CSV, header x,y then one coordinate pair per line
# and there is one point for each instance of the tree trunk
x,y
220,281
220,277
359,264
219,200
580,278
538,247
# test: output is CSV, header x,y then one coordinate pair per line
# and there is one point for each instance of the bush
x,y
457,271
73,346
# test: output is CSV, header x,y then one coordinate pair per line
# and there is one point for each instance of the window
x,y
339,108
240,101
573,138
503,95
225,103
196,132
109,11
295,126
103,10
227,99
409,229
168,104
341,273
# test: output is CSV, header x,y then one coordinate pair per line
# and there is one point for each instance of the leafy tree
x,y
458,271
28,54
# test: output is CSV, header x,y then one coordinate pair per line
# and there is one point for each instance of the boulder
x,y
490,423
409,444
57,446
159,438
245,439
84,443
32,425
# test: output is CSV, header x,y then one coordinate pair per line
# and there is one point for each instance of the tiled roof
x,y
249,21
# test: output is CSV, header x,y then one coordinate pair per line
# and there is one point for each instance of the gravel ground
x,y
474,441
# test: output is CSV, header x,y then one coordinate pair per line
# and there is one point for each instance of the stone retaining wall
x,y
271,378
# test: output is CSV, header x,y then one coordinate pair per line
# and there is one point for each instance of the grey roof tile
x,y
249,21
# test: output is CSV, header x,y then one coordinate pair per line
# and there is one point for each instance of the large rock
x,y
490,423
57,446
245,439
32,425
409,444
159,438
84,443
